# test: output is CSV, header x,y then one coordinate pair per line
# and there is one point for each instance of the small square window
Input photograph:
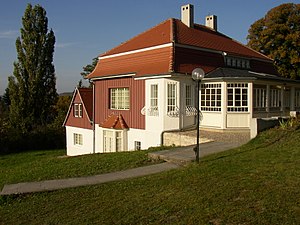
x,y
137,145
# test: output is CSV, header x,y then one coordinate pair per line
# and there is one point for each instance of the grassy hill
x,y
258,183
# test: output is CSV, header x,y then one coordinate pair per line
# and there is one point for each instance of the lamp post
x,y
197,75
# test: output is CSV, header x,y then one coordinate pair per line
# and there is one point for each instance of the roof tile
x,y
115,122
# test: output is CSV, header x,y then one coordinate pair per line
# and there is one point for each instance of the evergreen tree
x,y
277,35
32,90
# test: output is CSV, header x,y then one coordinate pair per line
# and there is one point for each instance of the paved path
x,y
51,185
174,158
184,155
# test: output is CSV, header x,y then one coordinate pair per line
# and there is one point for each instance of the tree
x,y
32,90
277,35
89,68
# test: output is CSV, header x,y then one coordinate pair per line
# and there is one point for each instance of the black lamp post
x,y
197,75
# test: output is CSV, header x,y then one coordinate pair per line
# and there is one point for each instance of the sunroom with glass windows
x,y
232,98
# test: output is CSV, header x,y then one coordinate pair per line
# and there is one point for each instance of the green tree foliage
x,y
89,68
32,90
277,35
61,109
86,71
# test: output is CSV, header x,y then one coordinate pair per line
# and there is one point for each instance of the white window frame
x,y
108,141
239,101
119,141
137,145
189,95
78,110
119,98
211,97
77,139
113,140
171,97
153,110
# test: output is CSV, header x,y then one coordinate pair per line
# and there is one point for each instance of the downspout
x,y
94,135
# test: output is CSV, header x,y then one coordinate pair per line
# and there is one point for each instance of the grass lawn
x,y
45,165
258,183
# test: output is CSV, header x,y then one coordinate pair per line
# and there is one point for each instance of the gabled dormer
x,y
80,113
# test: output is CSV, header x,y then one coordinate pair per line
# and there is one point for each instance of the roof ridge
x,y
138,35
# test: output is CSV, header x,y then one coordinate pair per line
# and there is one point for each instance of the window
x,y
113,141
188,96
211,97
108,140
78,140
119,98
78,110
237,62
237,97
153,110
172,97
119,141
137,145
259,97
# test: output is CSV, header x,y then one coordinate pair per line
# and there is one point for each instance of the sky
x,y
86,28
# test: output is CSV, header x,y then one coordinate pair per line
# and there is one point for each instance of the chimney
x,y
187,15
211,21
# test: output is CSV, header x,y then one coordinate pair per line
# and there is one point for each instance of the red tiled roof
x,y
115,122
86,94
150,62
160,34
204,37
165,59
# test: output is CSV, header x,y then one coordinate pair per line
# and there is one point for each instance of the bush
x,y
42,138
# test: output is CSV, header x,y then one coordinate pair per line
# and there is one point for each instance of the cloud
x,y
64,45
8,34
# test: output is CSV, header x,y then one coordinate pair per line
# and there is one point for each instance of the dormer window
x,y
78,110
237,62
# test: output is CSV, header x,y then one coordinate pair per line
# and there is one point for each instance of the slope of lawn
x,y
45,165
258,183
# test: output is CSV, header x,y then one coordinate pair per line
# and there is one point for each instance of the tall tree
x,y
277,35
32,88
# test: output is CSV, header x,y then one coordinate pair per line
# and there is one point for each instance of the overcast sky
x,y
86,28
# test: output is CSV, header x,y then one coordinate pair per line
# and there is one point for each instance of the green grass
x,y
45,165
258,183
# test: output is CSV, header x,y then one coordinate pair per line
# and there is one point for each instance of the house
x,y
79,123
143,88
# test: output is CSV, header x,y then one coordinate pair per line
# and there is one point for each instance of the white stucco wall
x,y
238,120
211,119
146,138
87,141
